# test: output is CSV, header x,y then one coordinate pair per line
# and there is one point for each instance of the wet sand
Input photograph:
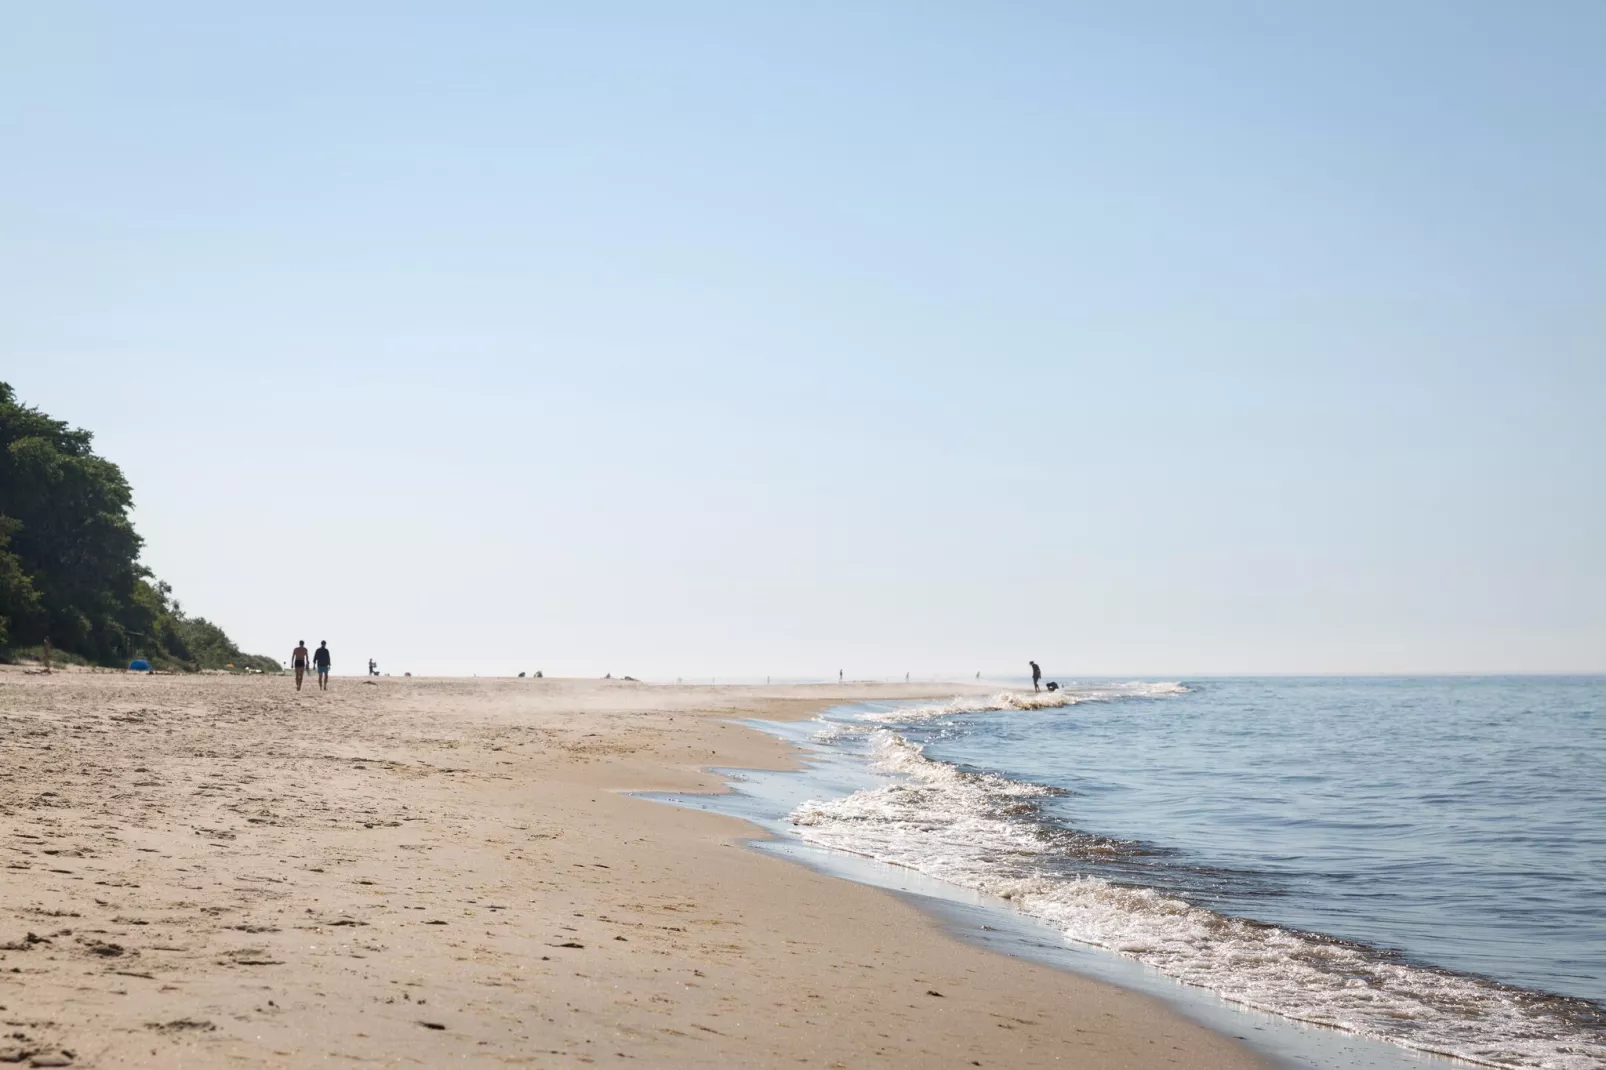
x,y
218,871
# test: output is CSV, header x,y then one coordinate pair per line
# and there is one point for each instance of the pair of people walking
x,y
319,659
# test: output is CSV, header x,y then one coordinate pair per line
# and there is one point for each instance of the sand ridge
x,y
210,871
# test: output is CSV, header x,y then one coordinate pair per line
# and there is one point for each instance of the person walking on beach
x,y
320,658
298,661
1037,675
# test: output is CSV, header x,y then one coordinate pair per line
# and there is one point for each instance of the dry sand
x,y
220,872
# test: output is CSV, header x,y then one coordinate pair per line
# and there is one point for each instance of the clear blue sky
x,y
733,338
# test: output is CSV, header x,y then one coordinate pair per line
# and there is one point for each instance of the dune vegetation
x,y
69,559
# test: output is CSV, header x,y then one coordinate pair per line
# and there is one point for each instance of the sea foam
x,y
1072,695
988,832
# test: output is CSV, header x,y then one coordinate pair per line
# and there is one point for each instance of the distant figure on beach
x,y
298,660
1037,675
373,667
320,658
839,676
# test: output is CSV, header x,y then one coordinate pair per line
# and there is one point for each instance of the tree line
x,y
69,558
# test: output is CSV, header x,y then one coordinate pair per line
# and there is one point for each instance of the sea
x,y
1417,862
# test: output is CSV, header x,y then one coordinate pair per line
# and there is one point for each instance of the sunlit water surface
x,y
1420,860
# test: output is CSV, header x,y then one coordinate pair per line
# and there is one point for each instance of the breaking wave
x,y
1073,695
987,832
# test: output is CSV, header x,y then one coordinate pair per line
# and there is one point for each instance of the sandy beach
x,y
214,871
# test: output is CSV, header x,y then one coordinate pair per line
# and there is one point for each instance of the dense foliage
x,y
69,557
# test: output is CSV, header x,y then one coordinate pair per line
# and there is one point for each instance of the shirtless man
x,y
298,661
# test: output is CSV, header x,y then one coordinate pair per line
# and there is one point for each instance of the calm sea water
x,y
1419,860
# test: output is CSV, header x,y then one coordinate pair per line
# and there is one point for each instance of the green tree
x,y
19,602
69,555
70,529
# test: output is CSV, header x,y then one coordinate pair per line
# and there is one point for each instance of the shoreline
x,y
219,869
764,798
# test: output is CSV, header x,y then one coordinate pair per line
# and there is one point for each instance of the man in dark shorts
x,y
1037,674
298,660
320,658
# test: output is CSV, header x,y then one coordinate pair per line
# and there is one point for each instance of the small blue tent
x,y
139,665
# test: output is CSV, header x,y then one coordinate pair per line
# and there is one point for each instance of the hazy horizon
x,y
1000,679
717,341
